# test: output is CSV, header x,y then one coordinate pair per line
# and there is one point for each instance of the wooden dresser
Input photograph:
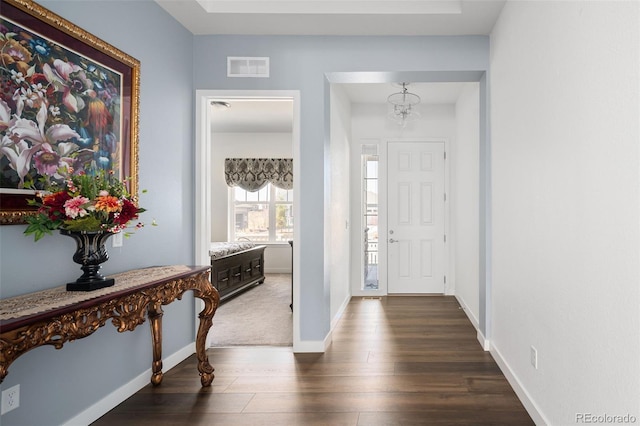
x,y
236,271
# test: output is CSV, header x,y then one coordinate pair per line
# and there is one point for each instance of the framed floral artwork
x,y
69,101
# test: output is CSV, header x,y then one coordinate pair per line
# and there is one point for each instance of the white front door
x,y
416,221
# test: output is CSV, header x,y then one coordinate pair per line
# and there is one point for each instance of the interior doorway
x,y
451,110
205,148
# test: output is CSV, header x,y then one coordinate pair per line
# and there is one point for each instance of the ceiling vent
x,y
247,66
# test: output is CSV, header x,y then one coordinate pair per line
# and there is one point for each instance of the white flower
x,y
17,77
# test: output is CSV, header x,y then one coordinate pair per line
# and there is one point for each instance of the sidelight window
x,y
370,215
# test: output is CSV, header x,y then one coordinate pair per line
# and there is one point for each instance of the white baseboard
x,y
468,311
338,315
312,346
484,342
320,346
119,395
531,407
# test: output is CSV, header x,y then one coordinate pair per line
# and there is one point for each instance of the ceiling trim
x,y
375,7
336,17
406,76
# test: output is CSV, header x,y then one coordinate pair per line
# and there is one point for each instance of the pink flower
x,y
71,80
47,162
75,207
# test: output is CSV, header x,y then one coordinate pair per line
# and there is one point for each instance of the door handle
x,y
391,240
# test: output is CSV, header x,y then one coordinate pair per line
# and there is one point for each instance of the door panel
x,y
426,203
416,246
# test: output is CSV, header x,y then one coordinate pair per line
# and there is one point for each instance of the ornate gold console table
x,y
56,316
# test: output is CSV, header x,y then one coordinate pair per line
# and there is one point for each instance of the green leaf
x,y
40,225
88,223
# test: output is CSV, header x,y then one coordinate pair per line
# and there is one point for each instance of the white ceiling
x,y
275,115
331,17
336,17
252,116
430,93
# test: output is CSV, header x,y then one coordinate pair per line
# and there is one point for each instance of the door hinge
x,y
445,238
445,279
445,155
445,196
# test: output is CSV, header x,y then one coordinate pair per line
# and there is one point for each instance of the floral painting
x,y
69,101
58,109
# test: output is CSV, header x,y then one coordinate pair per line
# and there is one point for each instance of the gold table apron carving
x,y
55,316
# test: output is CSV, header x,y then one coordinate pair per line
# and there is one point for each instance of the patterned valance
x,y
253,174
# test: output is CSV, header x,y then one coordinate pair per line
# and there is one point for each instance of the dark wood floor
x,y
393,361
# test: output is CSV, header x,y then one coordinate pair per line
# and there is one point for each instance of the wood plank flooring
x,y
393,361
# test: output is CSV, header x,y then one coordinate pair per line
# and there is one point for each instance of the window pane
x,y
284,222
263,194
284,194
372,190
251,214
372,168
241,194
252,221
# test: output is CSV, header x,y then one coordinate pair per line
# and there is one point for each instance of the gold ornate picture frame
x,y
68,100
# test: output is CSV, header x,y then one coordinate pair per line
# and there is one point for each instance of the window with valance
x,y
253,174
261,190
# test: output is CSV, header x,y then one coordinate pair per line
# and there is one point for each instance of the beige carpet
x,y
258,317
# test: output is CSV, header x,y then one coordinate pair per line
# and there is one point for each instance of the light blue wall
x,y
56,385
302,63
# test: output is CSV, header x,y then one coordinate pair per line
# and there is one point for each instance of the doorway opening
x,y
252,130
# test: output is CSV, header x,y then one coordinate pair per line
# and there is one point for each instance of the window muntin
x,y
262,216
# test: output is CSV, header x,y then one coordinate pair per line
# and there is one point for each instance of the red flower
x,y
129,211
53,205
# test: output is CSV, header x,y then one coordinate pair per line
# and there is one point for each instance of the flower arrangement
x,y
98,202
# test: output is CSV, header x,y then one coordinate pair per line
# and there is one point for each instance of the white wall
x,y
370,125
464,201
565,154
339,245
245,145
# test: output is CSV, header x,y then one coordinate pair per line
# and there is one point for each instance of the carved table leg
x,y
209,295
155,320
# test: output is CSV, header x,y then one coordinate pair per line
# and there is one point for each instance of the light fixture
x,y
403,104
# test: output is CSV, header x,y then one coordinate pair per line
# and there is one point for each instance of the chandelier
x,y
403,104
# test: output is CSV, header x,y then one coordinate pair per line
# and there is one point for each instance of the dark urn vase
x,y
90,253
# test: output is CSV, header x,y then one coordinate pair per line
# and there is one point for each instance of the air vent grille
x,y
247,66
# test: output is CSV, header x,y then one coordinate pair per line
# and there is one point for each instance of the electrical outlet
x,y
534,357
10,399
117,239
